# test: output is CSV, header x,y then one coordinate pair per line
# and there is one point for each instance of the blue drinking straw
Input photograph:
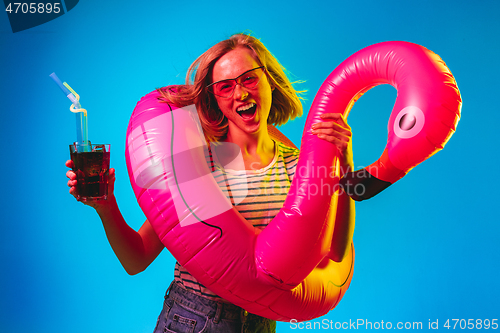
x,y
81,114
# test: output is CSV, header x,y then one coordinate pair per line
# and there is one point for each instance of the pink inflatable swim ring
x,y
283,272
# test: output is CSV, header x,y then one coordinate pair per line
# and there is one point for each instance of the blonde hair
x,y
285,105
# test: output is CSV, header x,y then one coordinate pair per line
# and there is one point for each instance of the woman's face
x,y
247,110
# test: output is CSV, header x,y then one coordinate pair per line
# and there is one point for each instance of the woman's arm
x,y
135,250
344,225
338,132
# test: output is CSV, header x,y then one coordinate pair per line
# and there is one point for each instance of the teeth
x,y
245,107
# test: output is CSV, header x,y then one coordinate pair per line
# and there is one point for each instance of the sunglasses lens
x,y
224,88
251,79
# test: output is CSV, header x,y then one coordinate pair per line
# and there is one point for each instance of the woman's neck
x,y
257,148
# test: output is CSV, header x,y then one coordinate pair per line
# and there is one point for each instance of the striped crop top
x,y
266,190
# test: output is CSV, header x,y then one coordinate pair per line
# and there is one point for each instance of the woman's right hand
x,y
97,203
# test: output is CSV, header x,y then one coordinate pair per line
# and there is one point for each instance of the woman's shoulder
x,y
289,155
287,149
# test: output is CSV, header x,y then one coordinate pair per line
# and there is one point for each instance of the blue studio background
x,y
426,248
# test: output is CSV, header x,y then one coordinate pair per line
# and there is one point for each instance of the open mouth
x,y
247,111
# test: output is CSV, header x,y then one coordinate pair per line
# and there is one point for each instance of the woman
x,y
239,88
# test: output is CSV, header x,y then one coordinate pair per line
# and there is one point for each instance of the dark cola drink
x,y
91,166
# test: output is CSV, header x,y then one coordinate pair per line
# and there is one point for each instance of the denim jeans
x,y
184,311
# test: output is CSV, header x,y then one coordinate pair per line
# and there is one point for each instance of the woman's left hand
x,y
334,129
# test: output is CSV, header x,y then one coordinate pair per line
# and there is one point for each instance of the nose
x,y
240,92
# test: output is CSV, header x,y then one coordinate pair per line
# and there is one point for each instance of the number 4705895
x,y
471,324
33,7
